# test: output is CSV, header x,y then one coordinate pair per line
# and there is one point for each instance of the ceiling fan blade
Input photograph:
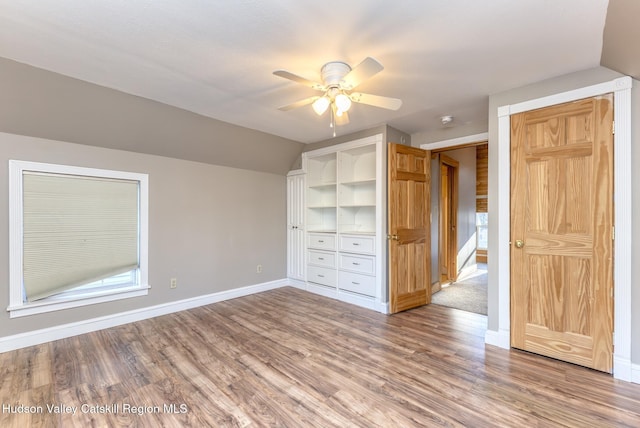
x,y
376,100
297,104
298,79
361,72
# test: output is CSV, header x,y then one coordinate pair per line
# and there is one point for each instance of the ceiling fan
x,y
338,82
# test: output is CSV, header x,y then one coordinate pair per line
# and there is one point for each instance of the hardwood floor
x,y
290,358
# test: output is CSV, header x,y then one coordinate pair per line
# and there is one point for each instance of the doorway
x,y
459,226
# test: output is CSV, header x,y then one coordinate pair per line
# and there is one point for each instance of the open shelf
x,y
357,219
321,170
357,193
357,164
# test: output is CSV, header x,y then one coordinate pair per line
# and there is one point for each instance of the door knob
x,y
519,243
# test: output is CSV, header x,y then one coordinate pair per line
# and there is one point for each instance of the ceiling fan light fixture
x,y
320,105
343,102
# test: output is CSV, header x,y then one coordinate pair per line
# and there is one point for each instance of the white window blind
x,y
77,229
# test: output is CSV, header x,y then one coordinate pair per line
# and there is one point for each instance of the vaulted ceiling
x,y
217,58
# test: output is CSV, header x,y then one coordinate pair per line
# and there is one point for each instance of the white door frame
x,y
621,87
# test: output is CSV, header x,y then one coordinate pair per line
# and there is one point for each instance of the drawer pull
x,y
321,241
356,264
320,258
355,283
356,244
320,276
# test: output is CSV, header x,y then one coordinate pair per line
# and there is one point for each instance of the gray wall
x,y
209,226
43,104
621,28
217,192
550,87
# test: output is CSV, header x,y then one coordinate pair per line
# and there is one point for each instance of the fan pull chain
x,y
333,121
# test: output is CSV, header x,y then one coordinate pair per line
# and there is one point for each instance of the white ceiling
x,y
216,58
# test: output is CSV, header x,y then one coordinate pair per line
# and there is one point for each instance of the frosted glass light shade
x,y
320,105
343,102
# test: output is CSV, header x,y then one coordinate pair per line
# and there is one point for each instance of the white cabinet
x,y
322,241
358,243
345,210
295,225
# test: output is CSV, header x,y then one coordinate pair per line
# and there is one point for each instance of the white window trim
x,y
18,307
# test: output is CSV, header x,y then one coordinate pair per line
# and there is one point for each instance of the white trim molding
x,y
36,337
621,87
475,138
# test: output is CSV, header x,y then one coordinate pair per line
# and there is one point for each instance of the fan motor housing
x,y
333,72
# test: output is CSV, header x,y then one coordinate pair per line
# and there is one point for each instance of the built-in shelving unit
x,y
321,193
345,221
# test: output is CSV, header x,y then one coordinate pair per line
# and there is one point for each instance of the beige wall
x,y
209,226
541,89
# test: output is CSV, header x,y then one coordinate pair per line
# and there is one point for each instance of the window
x,y
78,236
482,231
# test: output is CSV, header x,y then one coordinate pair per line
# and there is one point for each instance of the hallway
x,y
469,293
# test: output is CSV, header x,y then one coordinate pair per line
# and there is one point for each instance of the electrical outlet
x,y
259,269
174,282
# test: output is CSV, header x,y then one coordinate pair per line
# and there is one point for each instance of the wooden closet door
x,y
562,232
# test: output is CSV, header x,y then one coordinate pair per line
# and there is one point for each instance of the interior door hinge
x,y
613,233
613,127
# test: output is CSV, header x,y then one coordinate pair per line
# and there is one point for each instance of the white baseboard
x,y
635,373
36,337
297,283
500,339
622,368
383,307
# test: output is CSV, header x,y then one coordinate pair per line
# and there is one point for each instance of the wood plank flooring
x,y
294,359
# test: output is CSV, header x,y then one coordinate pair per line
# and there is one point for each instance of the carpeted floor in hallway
x,y
468,294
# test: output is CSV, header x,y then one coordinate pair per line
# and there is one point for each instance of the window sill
x,y
57,304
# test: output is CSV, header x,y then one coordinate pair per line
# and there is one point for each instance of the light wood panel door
x,y
448,244
409,184
562,232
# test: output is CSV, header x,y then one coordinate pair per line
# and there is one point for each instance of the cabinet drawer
x,y
322,241
322,258
358,244
321,275
357,283
359,264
